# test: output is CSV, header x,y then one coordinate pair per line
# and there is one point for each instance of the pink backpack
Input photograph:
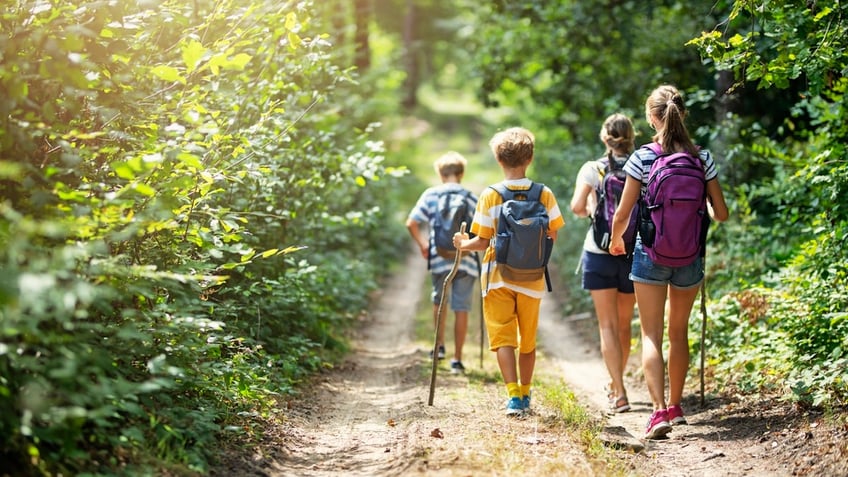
x,y
674,209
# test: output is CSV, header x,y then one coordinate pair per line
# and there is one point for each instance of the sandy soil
x,y
370,415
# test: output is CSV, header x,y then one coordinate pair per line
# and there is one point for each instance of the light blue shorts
x,y
461,288
647,272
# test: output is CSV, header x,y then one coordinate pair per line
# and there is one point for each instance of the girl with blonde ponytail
x,y
654,283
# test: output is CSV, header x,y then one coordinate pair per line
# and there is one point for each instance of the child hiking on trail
x,y
604,275
511,306
437,207
653,281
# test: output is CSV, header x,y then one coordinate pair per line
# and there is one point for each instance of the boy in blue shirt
x,y
451,168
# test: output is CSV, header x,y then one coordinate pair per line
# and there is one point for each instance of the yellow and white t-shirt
x,y
485,225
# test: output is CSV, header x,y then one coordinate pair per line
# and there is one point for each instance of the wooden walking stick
x,y
703,329
448,280
482,321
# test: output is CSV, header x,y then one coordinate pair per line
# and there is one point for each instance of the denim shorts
x,y
646,271
602,271
461,288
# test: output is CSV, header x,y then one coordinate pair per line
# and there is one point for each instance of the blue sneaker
x,y
525,401
457,367
515,407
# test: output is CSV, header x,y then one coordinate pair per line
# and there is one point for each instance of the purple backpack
x,y
609,195
674,209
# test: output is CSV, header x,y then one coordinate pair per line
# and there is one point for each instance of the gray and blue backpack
x,y
522,245
452,210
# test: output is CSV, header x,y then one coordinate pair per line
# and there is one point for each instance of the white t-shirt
x,y
591,173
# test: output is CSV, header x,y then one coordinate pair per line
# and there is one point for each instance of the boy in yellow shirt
x,y
510,307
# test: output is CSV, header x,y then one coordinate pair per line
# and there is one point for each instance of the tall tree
x,y
410,98
362,11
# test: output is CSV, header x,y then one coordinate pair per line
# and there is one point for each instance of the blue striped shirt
x,y
638,165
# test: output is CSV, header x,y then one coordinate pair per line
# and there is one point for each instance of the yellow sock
x,y
513,390
525,390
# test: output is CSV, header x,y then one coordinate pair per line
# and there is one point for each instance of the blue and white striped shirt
x,y
638,165
425,211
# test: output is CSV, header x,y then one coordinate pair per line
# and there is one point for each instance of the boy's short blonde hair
x,y
450,164
513,147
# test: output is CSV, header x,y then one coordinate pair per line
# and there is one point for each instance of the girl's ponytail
x,y
665,105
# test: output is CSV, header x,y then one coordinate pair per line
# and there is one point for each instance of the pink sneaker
x,y
675,415
658,425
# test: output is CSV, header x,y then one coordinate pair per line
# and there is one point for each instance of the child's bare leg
x,y
606,308
626,302
651,302
460,329
506,362
680,304
526,365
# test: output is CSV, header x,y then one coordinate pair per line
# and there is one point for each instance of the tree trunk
x,y
362,13
410,55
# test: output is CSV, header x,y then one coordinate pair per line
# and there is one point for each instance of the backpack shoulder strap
x,y
614,164
535,191
502,190
653,147
443,192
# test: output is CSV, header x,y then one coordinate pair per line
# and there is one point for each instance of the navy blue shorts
x,y
603,271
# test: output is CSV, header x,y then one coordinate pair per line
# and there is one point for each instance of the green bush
x,y
187,230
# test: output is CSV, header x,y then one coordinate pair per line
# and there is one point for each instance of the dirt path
x,y
345,425
369,417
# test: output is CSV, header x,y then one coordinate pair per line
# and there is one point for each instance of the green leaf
x,y
294,40
167,73
216,62
190,160
247,256
291,21
192,53
145,189
823,13
293,248
239,61
736,40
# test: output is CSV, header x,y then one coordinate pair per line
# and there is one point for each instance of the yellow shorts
x,y
511,319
